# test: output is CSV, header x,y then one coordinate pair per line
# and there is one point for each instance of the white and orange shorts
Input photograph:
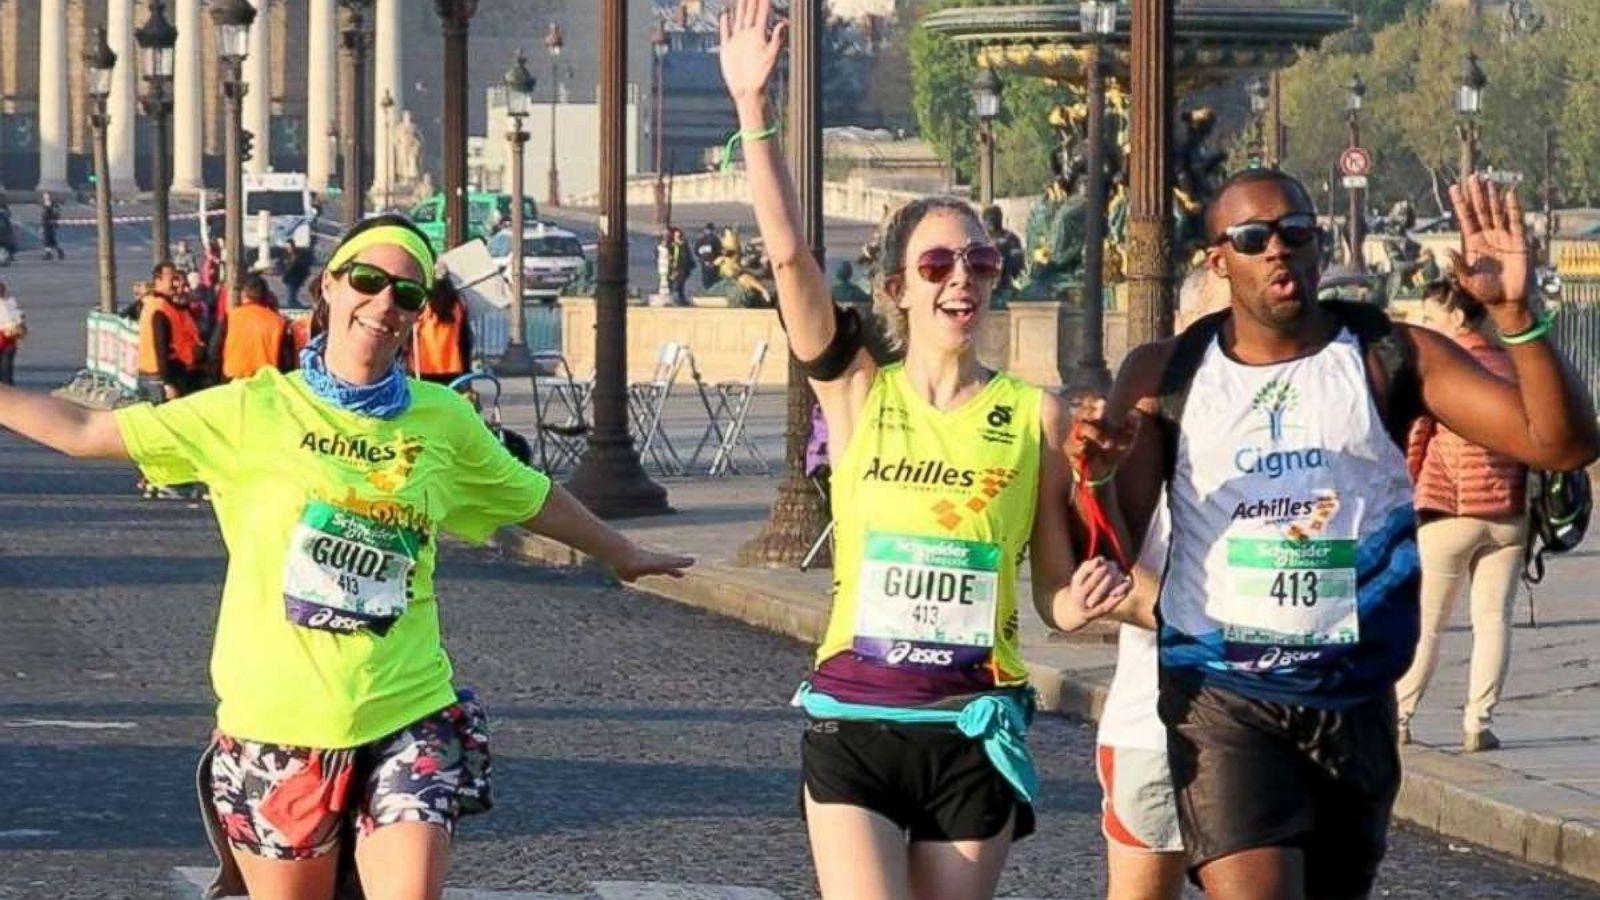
x,y
1138,809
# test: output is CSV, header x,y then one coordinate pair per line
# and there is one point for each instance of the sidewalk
x,y
1537,799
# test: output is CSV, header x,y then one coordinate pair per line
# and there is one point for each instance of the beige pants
x,y
1487,553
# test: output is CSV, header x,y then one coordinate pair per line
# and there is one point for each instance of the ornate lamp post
x,y
1098,20
519,84
659,45
456,17
1469,102
609,479
352,106
1260,101
553,42
986,106
100,60
1358,218
156,38
1150,174
387,105
233,19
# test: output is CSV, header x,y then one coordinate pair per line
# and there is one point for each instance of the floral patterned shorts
x,y
284,802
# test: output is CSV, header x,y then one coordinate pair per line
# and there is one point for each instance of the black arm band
x,y
841,351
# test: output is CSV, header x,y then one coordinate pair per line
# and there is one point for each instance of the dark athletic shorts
x,y
931,780
1251,773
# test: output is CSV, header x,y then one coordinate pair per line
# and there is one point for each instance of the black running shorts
x,y
1251,773
931,780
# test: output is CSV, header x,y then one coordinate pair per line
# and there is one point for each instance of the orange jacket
x,y
185,344
437,343
1459,478
255,339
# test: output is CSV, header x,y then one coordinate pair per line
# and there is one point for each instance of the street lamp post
x,y
1097,19
519,84
100,60
1469,102
352,106
455,16
387,105
1358,218
1260,101
986,106
659,45
233,19
552,42
610,480
156,38
1150,174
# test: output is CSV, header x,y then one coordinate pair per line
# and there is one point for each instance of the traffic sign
x,y
1355,161
1355,181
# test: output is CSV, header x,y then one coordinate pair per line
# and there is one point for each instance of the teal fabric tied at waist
x,y
999,720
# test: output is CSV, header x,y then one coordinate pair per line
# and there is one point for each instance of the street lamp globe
x,y
156,38
553,39
986,94
100,59
1469,96
233,19
1097,17
1260,95
1357,93
519,84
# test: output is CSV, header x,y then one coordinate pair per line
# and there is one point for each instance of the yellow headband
x,y
414,244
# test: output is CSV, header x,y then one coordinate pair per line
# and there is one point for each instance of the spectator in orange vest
x,y
169,339
253,336
441,343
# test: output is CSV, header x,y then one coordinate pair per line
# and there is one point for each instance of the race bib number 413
x,y
928,601
1292,592
346,572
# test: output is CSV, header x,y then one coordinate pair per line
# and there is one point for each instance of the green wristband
x,y
739,137
1539,330
1103,480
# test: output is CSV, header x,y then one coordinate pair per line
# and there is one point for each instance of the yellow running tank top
x,y
932,513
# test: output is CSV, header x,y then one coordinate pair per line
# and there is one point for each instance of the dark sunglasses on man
x,y
1251,238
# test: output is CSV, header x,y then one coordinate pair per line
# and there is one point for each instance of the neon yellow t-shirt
x,y
328,634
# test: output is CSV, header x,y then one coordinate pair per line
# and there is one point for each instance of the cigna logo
x,y
1275,400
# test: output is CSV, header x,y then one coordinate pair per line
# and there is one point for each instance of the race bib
x,y
1291,592
927,601
346,572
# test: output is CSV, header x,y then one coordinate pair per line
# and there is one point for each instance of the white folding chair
x,y
647,404
727,427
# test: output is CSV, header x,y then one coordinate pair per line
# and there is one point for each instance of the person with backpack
x,y
1289,604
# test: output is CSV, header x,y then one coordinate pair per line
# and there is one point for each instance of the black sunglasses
x,y
370,280
1252,238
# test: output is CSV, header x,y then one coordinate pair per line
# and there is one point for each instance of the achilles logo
x,y
1277,658
1000,416
903,652
932,472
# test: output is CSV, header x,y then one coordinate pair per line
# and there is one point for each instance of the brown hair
x,y
1448,294
894,234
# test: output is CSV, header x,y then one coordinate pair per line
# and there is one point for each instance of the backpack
x,y
1559,504
1397,387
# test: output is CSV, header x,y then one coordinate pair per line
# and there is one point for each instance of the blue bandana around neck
x,y
386,398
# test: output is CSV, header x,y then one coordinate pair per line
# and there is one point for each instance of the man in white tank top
x,y
1289,604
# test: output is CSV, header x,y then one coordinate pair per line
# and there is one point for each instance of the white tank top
x,y
1293,573
1129,718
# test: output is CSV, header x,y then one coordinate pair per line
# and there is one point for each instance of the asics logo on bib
x,y
356,449
903,652
1278,657
329,620
931,472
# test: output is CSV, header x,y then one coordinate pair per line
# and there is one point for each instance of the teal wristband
x,y
1539,330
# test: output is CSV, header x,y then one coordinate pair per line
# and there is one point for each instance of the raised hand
x,y
1097,443
1496,268
749,52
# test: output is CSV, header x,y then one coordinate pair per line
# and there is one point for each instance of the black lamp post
x,y
519,84
985,90
659,45
1469,103
1260,102
1097,19
101,60
353,106
233,19
156,38
553,42
1357,193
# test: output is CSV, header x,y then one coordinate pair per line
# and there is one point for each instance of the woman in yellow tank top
x,y
916,772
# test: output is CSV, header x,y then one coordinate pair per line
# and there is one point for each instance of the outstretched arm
x,y
564,519
60,425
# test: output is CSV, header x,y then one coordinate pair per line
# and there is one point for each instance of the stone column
x,y
53,95
258,74
387,80
188,113
322,79
121,105
1150,175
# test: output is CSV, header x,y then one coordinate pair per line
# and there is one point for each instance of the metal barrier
x,y
541,330
113,351
1576,329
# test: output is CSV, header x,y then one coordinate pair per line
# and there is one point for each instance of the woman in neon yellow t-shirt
x,y
916,773
330,486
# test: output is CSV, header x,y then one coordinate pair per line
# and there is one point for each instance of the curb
x,y
1445,794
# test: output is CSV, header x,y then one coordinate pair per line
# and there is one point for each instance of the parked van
x,y
486,214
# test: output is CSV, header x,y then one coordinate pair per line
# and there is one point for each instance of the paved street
x,y
635,739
